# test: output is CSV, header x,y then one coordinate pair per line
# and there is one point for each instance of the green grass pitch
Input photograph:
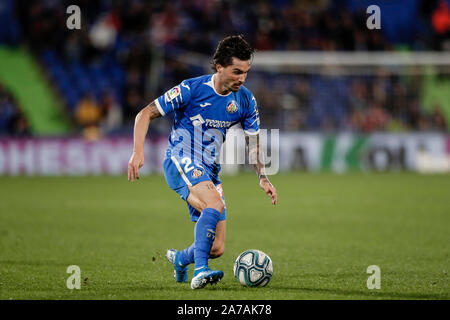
x,y
324,233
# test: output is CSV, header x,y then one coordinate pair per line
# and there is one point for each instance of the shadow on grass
x,y
34,263
163,292
372,293
273,289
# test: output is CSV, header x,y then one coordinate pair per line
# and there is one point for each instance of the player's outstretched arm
x,y
256,157
141,123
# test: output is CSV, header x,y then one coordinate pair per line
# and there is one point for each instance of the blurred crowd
x,y
375,103
12,121
126,53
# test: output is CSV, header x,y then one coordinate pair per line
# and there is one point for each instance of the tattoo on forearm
x,y
154,112
255,154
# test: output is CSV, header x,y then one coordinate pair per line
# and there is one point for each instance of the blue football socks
x,y
187,255
205,231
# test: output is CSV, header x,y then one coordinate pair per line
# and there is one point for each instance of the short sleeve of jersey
x,y
175,98
250,122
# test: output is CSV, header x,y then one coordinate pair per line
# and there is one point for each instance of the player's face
x,y
233,76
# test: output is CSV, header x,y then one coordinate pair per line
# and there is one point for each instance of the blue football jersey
x,y
202,118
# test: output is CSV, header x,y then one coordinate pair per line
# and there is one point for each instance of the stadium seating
x,y
74,79
139,28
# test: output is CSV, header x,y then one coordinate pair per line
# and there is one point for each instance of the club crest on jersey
x,y
173,93
232,107
197,173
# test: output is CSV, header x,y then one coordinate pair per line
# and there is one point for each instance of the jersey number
x,y
187,161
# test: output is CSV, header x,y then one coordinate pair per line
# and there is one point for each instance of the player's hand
x,y
269,189
136,162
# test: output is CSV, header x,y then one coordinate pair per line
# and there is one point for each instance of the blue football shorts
x,y
183,173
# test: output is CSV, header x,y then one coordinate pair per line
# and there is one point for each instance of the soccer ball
x,y
253,268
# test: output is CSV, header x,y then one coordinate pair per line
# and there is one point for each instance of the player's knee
x,y
217,204
220,207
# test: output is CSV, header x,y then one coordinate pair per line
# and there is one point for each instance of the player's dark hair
x,y
229,47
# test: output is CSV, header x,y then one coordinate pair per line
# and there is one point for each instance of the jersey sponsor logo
x,y
218,123
172,93
232,107
197,120
205,104
197,173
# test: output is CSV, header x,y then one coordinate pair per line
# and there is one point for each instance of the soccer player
x,y
204,109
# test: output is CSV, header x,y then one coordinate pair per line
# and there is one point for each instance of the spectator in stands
x,y
356,120
376,118
88,112
12,121
20,125
7,113
111,113
441,24
133,104
438,118
358,95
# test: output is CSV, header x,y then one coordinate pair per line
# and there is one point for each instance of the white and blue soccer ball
x,y
253,268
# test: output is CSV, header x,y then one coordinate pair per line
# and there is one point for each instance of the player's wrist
x,y
263,177
138,151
